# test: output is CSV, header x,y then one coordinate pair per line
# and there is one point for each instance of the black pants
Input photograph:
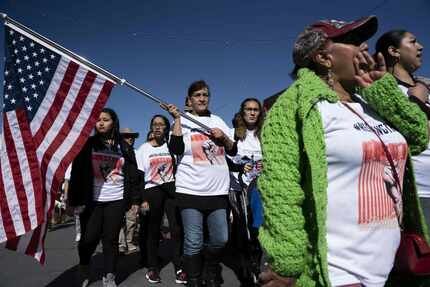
x,y
175,228
244,247
160,200
101,220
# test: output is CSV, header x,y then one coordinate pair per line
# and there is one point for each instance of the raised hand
x,y
247,167
366,70
171,109
218,135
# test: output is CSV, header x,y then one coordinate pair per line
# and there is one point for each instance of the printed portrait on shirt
x,y
376,183
160,169
107,167
256,162
205,151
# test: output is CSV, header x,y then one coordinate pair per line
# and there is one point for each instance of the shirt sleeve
x,y
139,158
388,100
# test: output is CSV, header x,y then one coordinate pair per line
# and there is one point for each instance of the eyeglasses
x,y
249,110
197,95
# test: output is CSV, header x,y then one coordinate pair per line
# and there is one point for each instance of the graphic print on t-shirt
x,y
161,169
107,167
205,151
376,180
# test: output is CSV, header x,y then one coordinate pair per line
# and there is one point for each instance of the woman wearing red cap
x,y
335,148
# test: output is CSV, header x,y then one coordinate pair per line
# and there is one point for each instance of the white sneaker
x,y
109,280
131,247
122,249
77,228
84,275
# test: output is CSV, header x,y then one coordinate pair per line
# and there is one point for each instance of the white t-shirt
x,y
203,169
248,151
68,172
421,165
108,176
67,175
362,228
156,163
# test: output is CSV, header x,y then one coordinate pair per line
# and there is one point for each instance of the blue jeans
x,y
192,220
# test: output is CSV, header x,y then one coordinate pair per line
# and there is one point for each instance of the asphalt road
x,y
17,270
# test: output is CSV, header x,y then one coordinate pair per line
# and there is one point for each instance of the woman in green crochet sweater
x,y
332,206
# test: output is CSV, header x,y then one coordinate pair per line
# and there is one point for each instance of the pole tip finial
x,y
3,15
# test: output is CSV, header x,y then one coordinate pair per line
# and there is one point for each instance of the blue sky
x,y
241,48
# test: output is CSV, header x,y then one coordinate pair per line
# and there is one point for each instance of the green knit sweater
x,y
294,179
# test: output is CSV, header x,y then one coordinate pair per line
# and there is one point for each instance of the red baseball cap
x,y
364,27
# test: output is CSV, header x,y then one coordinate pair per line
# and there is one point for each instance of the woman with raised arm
x,y
336,184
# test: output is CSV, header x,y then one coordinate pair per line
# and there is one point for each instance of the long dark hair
x,y
166,129
114,134
239,123
390,38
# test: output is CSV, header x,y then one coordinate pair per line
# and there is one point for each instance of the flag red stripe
x,y
33,163
34,241
16,174
42,258
55,107
68,123
4,208
12,244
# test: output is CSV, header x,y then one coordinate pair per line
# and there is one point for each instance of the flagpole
x,y
157,100
98,69
69,53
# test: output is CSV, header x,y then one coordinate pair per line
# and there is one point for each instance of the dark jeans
x,y
101,220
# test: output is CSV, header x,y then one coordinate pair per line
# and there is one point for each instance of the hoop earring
x,y
330,78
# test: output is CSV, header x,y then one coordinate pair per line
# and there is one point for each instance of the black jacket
x,y
81,179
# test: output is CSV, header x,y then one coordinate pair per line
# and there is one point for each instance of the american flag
x,y
50,105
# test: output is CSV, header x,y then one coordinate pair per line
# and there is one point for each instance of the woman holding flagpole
x,y
202,184
103,184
